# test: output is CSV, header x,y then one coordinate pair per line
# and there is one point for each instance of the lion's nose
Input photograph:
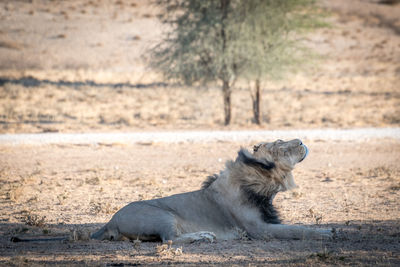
x,y
298,141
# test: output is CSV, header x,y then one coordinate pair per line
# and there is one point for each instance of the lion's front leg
x,y
195,237
282,231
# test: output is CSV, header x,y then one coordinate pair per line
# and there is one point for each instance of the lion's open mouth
x,y
305,152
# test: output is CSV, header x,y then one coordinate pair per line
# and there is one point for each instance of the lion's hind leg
x,y
147,222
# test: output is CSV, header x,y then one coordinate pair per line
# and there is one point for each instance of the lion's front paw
x,y
206,236
196,237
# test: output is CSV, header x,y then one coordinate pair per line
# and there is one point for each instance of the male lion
x,y
237,201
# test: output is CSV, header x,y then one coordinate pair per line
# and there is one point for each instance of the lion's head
x,y
288,153
268,169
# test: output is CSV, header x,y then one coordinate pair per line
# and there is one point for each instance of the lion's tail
x,y
99,235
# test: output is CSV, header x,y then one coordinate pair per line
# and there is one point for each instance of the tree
x,y
226,40
199,47
271,42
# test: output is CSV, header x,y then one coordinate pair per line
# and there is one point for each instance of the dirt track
x,y
173,137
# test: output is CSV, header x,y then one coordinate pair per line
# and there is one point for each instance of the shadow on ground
x,y
34,82
358,242
30,81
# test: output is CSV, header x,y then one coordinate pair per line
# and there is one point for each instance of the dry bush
x,y
10,45
79,235
61,36
34,220
296,194
62,197
65,14
136,38
381,172
327,256
315,215
105,208
168,250
93,180
395,187
15,193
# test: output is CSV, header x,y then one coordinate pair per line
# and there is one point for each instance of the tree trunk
x,y
225,82
227,102
257,103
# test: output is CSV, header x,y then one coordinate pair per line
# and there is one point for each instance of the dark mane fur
x,y
210,179
263,203
245,157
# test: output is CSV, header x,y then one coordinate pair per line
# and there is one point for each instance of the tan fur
x,y
237,201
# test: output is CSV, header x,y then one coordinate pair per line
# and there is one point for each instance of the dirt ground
x,y
55,190
80,66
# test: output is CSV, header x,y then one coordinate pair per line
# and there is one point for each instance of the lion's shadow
x,y
352,236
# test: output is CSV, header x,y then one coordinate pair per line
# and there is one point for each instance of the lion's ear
x,y
248,159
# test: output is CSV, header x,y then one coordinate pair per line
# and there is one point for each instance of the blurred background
x,y
84,66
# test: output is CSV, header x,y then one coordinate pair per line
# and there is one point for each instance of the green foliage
x,y
230,39
199,45
271,36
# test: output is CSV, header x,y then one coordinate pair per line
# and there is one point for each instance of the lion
x,y
234,202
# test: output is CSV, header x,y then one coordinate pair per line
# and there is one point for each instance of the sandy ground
x,y
53,190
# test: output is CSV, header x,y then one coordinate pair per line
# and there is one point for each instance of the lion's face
x,y
290,152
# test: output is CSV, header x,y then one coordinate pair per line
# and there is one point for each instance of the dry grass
x,y
11,45
33,219
88,108
166,250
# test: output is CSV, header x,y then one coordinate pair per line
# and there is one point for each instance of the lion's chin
x,y
305,152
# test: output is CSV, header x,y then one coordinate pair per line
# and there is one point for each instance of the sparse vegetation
x,y
316,216
166,250
328,257
104,208
33,219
